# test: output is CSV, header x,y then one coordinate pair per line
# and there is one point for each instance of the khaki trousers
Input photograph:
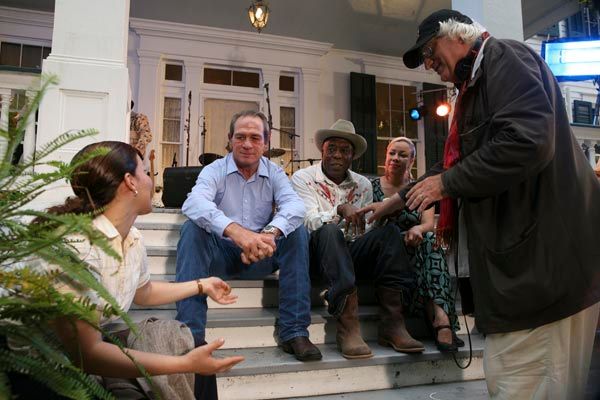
x,y
549,362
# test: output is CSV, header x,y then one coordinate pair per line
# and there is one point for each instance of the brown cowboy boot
x,y
392,330
348,337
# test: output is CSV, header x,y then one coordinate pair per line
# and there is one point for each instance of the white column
x,y
503,19
4,111
148,102
89,56
5,95
193,80
309,97
29,139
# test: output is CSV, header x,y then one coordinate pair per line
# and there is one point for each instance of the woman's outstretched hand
x,y
218,290
202,362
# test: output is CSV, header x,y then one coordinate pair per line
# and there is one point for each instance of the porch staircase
x,y
249,329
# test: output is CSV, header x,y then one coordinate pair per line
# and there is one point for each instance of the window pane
x,y
246,79
287,116
31,57
397,123
171,130
217,76
46,52
174,72
410,97
170,152
172,107
396,97
10,54
381,147
286,83
411,128
383,96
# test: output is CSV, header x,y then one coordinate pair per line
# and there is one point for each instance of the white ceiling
x,y
375,26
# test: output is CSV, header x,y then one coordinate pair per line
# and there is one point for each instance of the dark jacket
x,y
530,198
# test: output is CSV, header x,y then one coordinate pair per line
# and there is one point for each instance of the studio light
x,y
416,113
443,109
258,14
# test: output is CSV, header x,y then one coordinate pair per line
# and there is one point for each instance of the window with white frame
x,y
393,105
171,135
288,100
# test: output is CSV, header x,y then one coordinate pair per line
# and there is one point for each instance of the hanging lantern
x,y
258,14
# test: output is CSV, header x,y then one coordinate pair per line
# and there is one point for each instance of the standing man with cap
x,y
529,203
341,251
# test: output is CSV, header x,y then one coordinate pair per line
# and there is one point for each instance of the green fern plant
x,y
28,301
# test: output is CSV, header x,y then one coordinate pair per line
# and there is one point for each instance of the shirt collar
x,y
479,58
103,224
232,167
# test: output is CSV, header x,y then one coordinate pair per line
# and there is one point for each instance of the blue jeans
x,y
201,254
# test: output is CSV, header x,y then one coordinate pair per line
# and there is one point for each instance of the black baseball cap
x,y
428,29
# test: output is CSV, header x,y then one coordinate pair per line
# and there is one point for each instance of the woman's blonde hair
x,y
404,139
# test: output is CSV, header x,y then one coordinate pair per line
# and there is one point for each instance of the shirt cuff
x,y
281,224
219,224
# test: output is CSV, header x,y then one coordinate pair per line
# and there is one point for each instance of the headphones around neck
x,y
464,66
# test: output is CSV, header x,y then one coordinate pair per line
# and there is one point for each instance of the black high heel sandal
x,y
445,347
457,341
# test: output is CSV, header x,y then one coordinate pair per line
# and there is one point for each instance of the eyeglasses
x,y
427,50
344,151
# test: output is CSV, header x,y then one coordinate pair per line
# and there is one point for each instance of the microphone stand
x,y
187,131
203,134
270,118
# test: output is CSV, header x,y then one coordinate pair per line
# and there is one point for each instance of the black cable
x,y
456,241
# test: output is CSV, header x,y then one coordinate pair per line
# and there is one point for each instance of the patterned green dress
x,y
429,263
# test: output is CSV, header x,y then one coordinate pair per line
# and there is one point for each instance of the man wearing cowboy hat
x,y
341,250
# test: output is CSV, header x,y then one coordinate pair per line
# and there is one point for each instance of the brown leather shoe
x,y
392,330
302,348
348,337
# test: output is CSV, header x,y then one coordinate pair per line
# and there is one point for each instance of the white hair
x,y
468,33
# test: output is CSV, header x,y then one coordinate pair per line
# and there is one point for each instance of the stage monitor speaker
x,y
177,183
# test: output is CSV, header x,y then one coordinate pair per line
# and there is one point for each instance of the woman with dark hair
x,y
433,292
116,187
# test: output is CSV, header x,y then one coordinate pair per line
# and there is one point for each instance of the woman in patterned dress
x,y
433,293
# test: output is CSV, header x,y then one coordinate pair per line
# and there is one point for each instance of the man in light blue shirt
x,y
246,221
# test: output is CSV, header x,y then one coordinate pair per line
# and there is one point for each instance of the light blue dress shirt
x,y
222,196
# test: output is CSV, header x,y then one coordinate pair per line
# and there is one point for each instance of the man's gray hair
x,y
459,30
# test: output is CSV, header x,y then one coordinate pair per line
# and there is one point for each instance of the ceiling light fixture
x,y
258,14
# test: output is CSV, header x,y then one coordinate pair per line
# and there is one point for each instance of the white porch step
x,y
256,327
264,293
269,373
250,329
471,390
